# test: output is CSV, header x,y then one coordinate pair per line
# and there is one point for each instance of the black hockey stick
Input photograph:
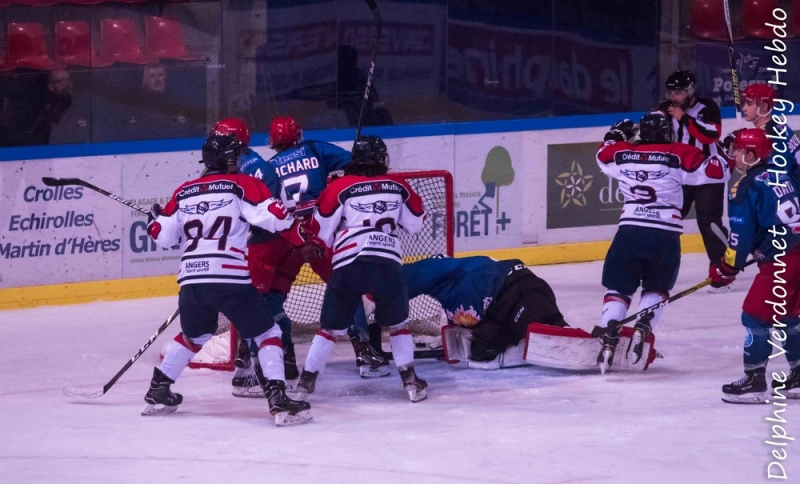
x,y
379,23
95,392
737,99
58,182
600,331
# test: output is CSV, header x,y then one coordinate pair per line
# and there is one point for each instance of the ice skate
x,y
159,398
641,330
370,363
290,363
606,356
286,411
306,385
414,385
245,383
791,387
750,389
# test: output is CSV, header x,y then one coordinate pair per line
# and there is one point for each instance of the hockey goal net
x,y
304,301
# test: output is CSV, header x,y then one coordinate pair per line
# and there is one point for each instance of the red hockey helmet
x,y
760,93
284,131
233,127
753,139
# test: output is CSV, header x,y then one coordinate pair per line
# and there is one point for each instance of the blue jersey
x,y
303,170
764,214
784,141
464,287
251,163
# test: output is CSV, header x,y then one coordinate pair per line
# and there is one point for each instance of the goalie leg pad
x,y
456,342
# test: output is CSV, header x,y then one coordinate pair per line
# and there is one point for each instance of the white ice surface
x,y
522,425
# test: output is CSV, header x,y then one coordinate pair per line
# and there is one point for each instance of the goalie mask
x,y
655,127
221,152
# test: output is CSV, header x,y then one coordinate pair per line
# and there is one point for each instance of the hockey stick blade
x,y
60,182
89,392
56,182
84,392
600,331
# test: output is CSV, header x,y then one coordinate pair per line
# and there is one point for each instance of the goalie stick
x,y
737,99
379,23
600,331
58,182
95,392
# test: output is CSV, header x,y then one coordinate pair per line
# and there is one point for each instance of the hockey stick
x,y
737,99
95,392
60,182
379,23
600,331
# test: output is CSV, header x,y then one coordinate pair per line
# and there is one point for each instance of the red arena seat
x,y
795,17
27,47
164,39
708,20
755,13
120,43
74,44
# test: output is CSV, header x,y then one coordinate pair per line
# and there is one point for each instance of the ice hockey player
x,y
758,100
697,122
211,218
772,306
495,299
301,170
245,382
359,215
646,247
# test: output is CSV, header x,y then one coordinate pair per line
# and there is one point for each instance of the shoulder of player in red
x,y
607,151
348,186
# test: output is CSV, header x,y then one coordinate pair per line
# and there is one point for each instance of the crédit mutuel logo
x,y
574,185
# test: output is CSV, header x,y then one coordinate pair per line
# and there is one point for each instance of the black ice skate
x,y
286,411
307,384
606,356
245,381
641,330
791,387
160,400
370,363
290,363
414,385
750,389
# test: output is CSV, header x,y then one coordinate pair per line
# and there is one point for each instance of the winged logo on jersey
x,y
203,207
378,207
644,175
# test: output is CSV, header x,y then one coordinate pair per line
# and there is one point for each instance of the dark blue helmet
x,y
220,153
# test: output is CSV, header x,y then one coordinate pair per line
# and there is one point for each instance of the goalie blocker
x,y
548,346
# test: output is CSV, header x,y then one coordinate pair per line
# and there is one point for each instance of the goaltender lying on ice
x,y
500,315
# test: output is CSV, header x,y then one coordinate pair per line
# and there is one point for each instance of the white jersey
x,y
360,216
210,217
651,176
700,127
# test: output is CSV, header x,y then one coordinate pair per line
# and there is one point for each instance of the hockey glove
x,y
305,210
621,131
303,232
154,212
721,274
727,143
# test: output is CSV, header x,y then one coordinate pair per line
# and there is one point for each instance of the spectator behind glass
x,y
56,100
157,108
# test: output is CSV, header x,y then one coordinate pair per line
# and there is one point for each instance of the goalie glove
x,y
621,131
721,274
